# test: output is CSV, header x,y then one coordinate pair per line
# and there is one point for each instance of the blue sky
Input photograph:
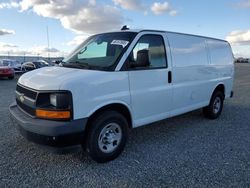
x,y
23,23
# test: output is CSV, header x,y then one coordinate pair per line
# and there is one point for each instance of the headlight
x,y
55,105
60,100
53,100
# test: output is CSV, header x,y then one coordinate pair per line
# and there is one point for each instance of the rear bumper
x,y
2,75
46,132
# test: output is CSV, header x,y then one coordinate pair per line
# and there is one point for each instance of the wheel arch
x,y
120,107
219,87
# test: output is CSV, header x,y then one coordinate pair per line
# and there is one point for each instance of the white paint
x,y
198,65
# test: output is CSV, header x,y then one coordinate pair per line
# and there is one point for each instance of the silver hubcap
x,y
110,138
217,105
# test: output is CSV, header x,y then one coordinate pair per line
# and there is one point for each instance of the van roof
x,y
161,31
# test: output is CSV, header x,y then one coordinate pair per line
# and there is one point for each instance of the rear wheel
x,y
107,136
11,77
214,109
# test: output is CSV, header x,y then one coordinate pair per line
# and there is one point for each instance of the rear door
x,y
150,84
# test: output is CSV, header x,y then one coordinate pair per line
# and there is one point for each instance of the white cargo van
x,y
120,80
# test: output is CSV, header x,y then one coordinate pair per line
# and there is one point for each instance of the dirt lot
x,y
185,151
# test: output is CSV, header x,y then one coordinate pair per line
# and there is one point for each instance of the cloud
x,y
94,20
8,48
130,4
244,4
240,42
12,49
239,37
8,45
84,17
77,40
53,8
173,13
43,49
159,8
241,51
9,5
6,32
79,16
88,16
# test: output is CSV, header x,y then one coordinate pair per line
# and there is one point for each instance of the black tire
x,y
214,109
11,77
99,124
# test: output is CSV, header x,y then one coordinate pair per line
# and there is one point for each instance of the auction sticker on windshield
x,y
123,43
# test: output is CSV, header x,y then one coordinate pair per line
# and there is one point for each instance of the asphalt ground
x,y
184,151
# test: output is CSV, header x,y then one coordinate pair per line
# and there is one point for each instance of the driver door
x,y
150,81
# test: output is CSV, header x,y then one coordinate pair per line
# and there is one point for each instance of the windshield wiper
x,y
76,64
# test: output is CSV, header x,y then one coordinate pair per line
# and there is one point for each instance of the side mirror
x,y
142,59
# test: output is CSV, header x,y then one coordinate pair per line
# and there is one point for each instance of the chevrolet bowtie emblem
x,y
21,97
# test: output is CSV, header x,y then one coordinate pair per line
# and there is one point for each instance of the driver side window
x,y
149,52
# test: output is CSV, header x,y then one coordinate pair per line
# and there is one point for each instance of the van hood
x,y
53,78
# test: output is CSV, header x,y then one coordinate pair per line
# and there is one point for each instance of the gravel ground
x,y
185,151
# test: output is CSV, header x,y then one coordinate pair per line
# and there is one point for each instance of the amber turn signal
x,y
46,114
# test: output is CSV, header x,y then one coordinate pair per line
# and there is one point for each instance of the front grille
x,y
27,92
26,108
24,103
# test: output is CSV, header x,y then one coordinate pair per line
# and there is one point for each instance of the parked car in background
x,y
57,63
6,71
242,60
29,66
15,65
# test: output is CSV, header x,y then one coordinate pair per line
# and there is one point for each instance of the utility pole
x,y
48,43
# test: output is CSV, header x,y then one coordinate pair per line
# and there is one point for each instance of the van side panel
x,y
190,72
222,60
195,75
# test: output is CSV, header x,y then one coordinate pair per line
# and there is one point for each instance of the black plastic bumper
x,y
46,132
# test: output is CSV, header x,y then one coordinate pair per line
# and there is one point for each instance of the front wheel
x,y
107,136
214,109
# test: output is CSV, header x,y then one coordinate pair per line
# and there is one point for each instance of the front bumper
x,y
47,132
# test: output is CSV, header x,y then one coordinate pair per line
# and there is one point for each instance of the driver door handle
x,y
169,77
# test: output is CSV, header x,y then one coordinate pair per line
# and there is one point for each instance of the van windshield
x,y
100,52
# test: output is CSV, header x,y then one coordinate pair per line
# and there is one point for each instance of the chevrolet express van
x,y
120,80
